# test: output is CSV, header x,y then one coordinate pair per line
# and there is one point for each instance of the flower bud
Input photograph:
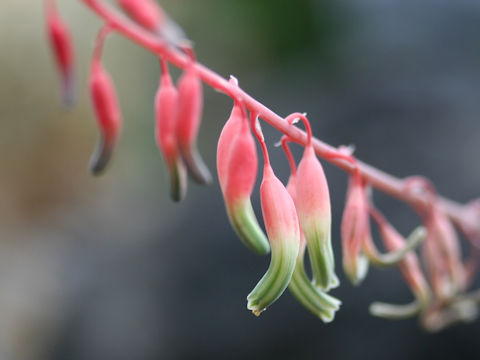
x,y
188,122
166,106
281,223
237,168
312,298
409,267
62,46
313,205
443,255
354,230
147,13
106,108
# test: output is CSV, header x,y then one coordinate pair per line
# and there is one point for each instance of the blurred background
x,y
109,268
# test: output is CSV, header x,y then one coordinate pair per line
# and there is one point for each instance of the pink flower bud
x,y
312,298
313,205
188,122
166,106
241,173
62,46
443,256
354,230
147,13
227,136
106,108
409,267
281,223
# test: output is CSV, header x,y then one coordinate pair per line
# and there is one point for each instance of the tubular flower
x,y
62,46
190,104
106,108
281,223
151,16
409,267
313,205
312,298
443,256
354,230
237,165
166,106
147,13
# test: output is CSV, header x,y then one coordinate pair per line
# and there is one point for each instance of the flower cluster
x,y
296,217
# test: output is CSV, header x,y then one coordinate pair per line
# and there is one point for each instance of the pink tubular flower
x,y
106,108
443,255
313,205
188,122
281,223
62,46
354,230
409,267
166,106
237,171
312,298
147,13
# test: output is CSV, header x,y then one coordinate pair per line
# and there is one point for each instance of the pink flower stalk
x,y
409,267
313,205
354,229
106,108
281,223
166,107
443,255
188,123
237,166
312,298
62,46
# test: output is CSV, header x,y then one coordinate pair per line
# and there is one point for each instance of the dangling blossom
x,y
149,14
62,46
312,298
166,107
189,117
281,223
313,205
409,267
237,166
106,108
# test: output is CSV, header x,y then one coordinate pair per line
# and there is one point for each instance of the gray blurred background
x,y
109,268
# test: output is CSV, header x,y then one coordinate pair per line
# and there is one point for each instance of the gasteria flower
x,y
62,46
145,12
237,165
409,267
313,206
151,16
166,107
189,116
312,298
443,255
354,230
281,223
106,108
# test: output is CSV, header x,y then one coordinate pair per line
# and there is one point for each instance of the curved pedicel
x,y
166,107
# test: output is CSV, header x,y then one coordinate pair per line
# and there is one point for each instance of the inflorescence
x,y
297,217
